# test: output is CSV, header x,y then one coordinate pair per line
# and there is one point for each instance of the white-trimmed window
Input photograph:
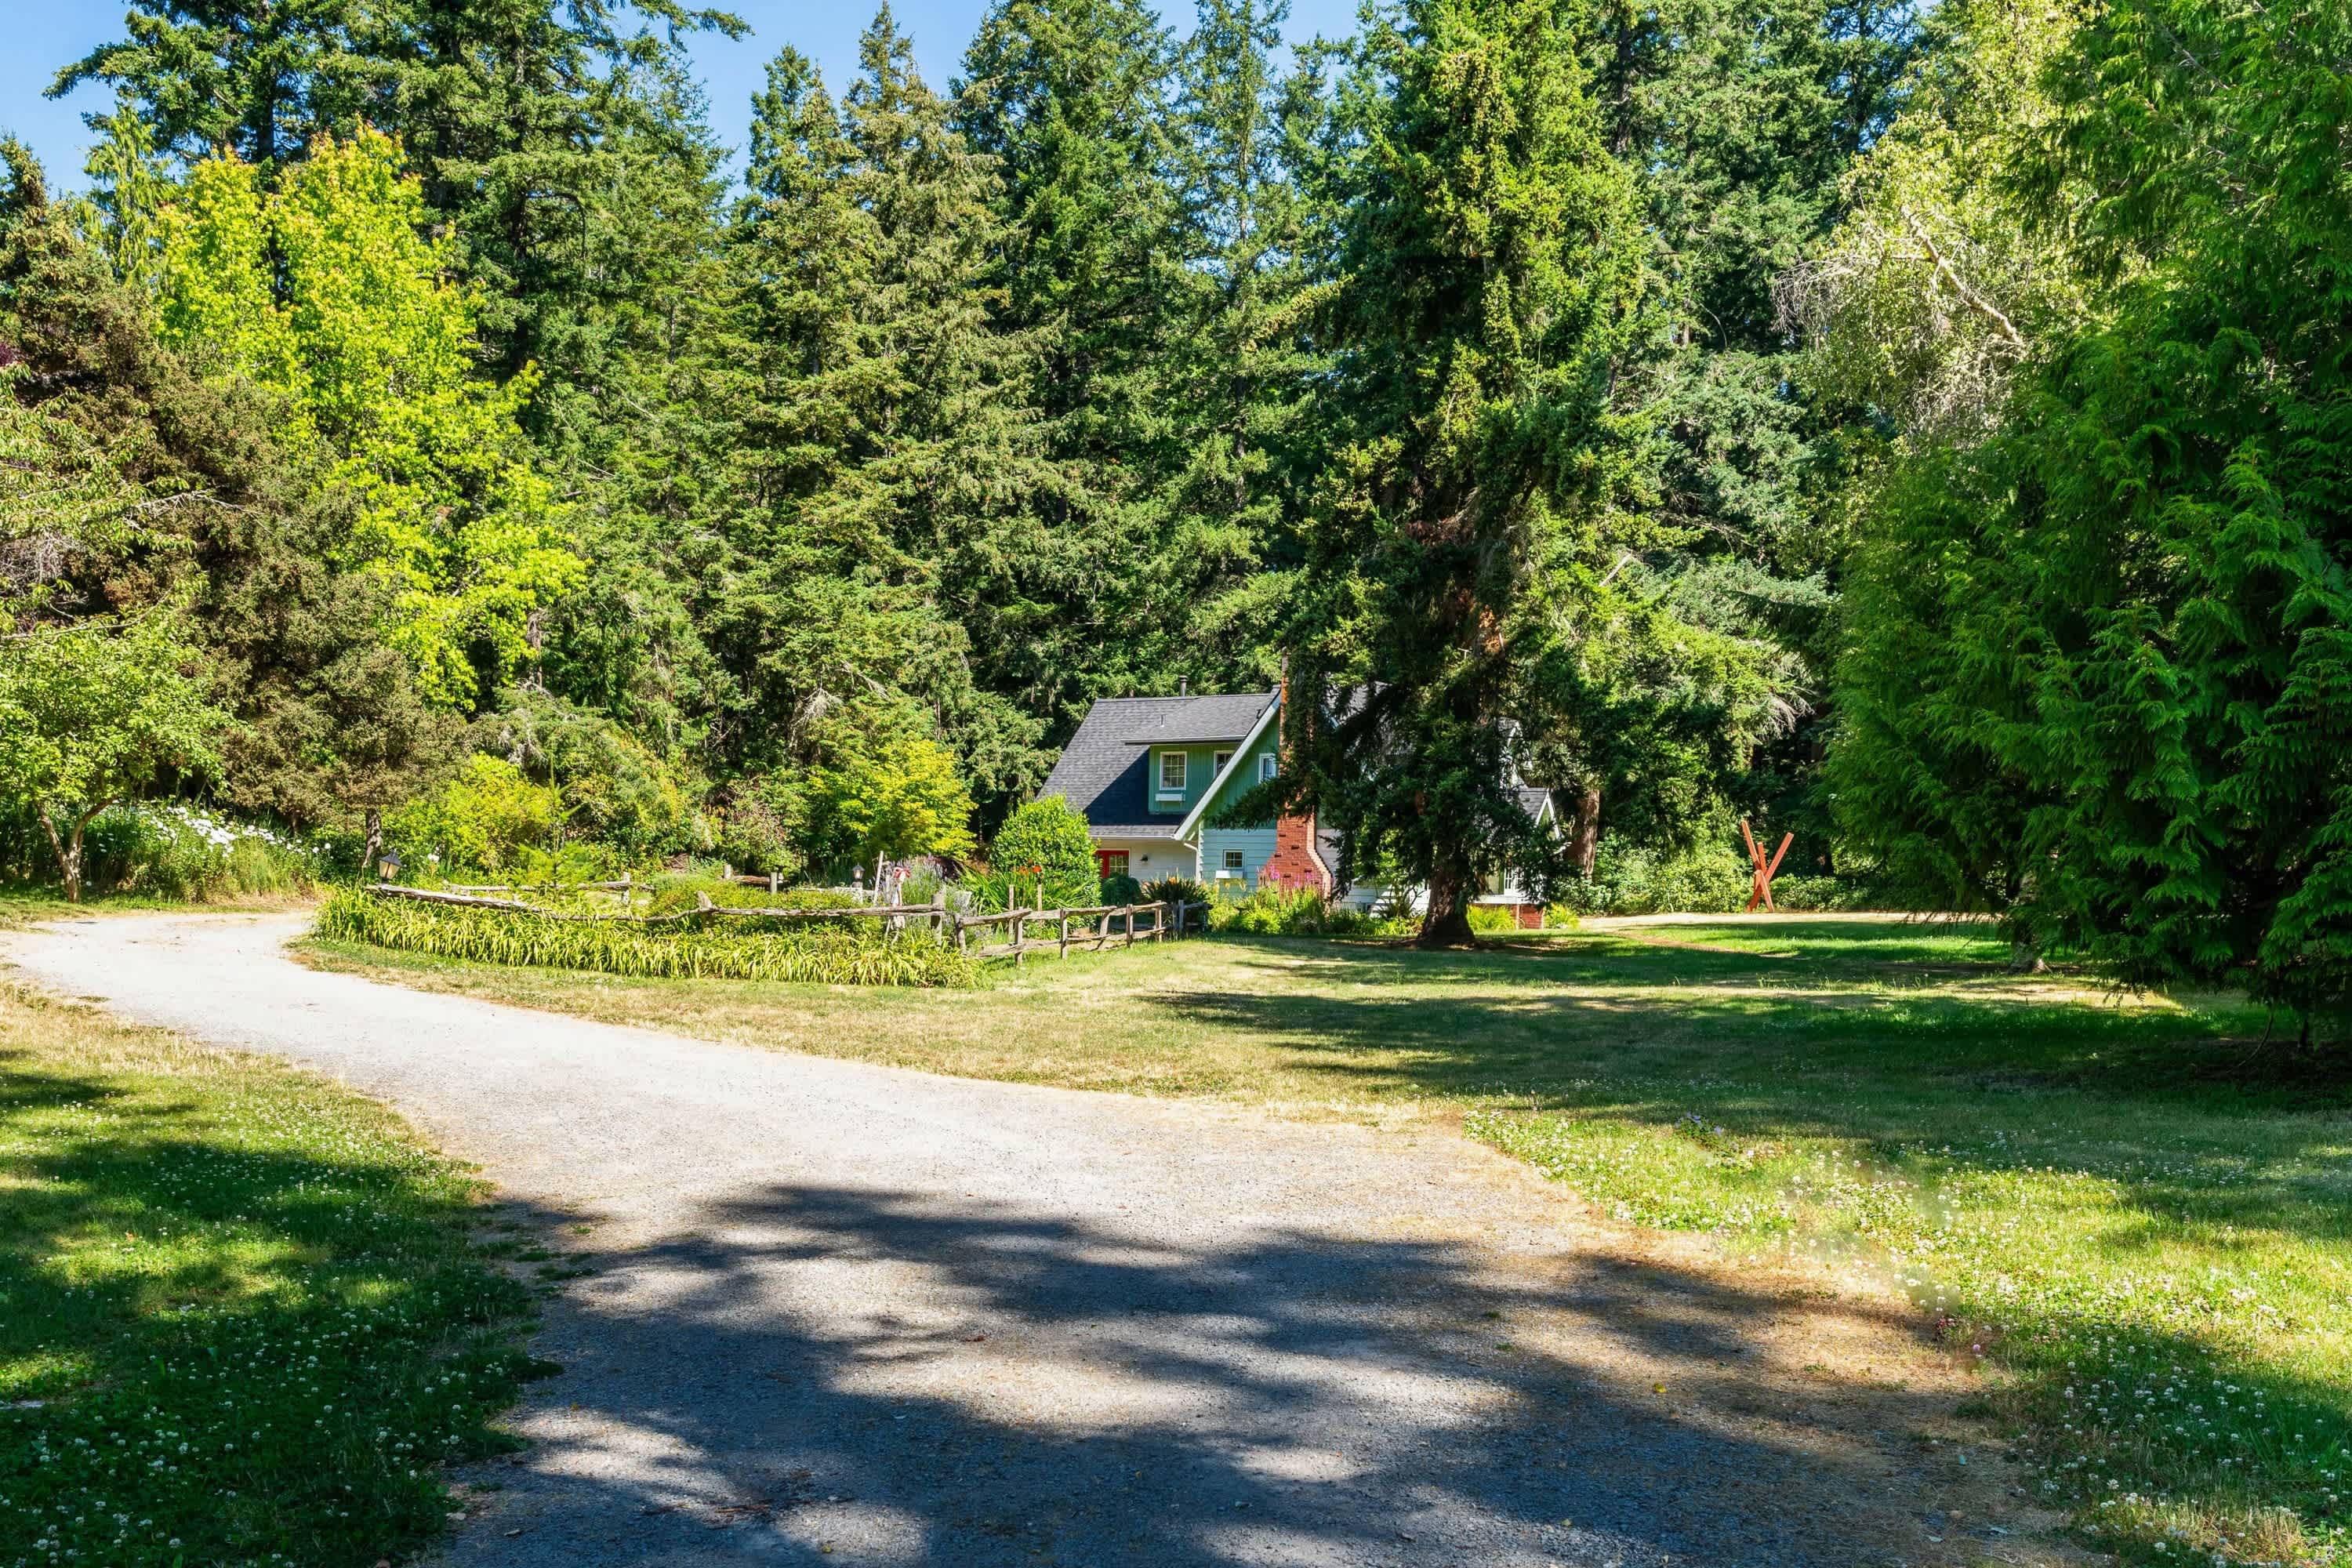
x,y
1266,766
1172,772
1233,859
1218,767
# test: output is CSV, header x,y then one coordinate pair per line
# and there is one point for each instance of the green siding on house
x,y
1199,768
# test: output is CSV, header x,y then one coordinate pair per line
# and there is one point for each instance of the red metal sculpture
x,y
1762,889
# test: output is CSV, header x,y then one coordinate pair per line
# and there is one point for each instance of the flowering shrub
x,y
169,850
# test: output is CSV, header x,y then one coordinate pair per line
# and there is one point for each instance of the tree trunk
x,y
374,849
1447,923
2025,957
68,848
1586,846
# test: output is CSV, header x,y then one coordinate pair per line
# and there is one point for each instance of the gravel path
x,y
849,1314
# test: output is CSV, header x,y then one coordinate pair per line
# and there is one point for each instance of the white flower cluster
x,y
178,819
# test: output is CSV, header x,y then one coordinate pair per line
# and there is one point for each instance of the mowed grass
x,y
244,1317
2132,1215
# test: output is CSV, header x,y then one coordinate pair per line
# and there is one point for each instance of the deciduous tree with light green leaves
x,y
326,290
887,790
93,712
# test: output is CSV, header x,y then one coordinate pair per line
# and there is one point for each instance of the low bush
x,y
1298,911
1175,891
165,849
992,889
1121,889
688,947
481,820
1491,919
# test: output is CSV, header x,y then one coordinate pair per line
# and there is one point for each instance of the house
x,y
1149,773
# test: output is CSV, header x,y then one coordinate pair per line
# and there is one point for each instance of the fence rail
x,y
1095,932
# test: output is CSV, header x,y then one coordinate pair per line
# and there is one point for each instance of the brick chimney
x,y
1296,861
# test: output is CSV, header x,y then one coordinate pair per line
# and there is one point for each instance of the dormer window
x,y
1218,768
1172,772
1265,765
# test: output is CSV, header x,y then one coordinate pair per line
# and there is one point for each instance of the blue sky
x,y
43,34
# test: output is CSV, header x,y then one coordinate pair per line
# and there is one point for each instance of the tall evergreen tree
x,y
2135,642
1742,119
1496,284
1239,363
887,464
1069,99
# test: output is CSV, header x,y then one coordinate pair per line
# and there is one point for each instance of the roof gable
x,y
1103,770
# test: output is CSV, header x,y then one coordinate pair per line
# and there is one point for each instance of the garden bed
x,y
693,946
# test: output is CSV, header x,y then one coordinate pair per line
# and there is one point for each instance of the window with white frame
x,y
1233,859
1223,758
1265,765
1171,773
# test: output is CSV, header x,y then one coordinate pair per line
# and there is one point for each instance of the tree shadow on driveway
x,y
852,1376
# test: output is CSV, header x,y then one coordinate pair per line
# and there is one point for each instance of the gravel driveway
x,y
849,1314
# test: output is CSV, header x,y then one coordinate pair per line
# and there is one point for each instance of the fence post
x,y
1159,921
938,914
1102,931
1020,918
960,941
1131,927
1064,952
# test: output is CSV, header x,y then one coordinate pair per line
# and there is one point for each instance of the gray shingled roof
x,y
1204,721
1102,771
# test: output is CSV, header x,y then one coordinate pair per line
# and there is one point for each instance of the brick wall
x,y
1293,863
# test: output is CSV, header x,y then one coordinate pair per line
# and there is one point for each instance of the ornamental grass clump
x,y
695,946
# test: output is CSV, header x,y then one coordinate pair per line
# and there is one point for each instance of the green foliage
x,y
1494,271
2097,672
882,459
759,825
1710,877
166,850
1297,912
481,820
886,789
998,888
697,947
611,789
1490,920
1119,891
1047,838
92,713
324,291
1175,891
1940,283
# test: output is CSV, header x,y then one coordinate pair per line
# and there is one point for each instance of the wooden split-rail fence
x,y
1090,929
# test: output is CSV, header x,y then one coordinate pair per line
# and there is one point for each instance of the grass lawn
x,y
2138,1221
244,1317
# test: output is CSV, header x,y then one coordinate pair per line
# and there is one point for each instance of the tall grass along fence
x,y
919,945
697,944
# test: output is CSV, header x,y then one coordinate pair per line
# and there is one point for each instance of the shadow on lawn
x,y
971,1384
2181,1108
167,1262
